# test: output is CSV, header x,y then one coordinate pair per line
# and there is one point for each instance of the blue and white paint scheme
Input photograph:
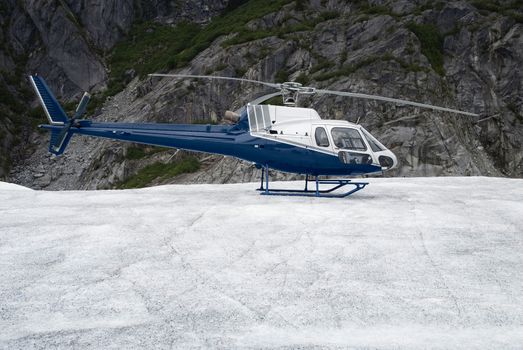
x,y
297,140
289,139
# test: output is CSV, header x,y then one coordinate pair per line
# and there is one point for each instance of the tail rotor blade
x,y
80,110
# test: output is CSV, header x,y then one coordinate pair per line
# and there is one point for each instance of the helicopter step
x,y
326,193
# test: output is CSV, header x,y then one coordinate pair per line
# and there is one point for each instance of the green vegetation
x,y
281,76
454,31
346,70
221,67
69,107
428,6
139,152
151,47
300,5
37,117
343,56
323,63
160,171
14,94
134,153
411,67
431,44
361,18
240,72
497,6
233,4
247,35
302,79
4,9
367,9
514,109
508,8
10,100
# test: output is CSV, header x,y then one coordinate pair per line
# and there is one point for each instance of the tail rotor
x,y
59,122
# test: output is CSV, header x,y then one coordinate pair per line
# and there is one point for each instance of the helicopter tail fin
x,y
59,123
57,117
54,112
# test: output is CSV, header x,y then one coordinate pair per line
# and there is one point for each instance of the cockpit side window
x,y
322,139
348,138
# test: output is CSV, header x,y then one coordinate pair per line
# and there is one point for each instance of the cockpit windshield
x,y
348,138
375,145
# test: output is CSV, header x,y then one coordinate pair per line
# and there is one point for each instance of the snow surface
x,y
405,263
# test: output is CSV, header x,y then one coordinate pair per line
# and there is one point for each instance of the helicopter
x,y
284,137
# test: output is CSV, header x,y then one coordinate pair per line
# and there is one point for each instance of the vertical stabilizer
x,y
52,108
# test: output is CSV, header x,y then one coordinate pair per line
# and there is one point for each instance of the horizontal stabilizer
x,y
52,108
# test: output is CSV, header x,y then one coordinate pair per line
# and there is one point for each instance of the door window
x,y
322,139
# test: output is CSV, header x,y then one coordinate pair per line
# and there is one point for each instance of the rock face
x,y
40,37
56,46
388,49
105,22
67,42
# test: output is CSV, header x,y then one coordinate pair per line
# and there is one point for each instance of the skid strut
x,y
336,184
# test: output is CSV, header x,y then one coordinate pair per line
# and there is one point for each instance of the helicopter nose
x,y
388,160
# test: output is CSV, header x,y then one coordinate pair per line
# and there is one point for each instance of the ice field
x,y
404,264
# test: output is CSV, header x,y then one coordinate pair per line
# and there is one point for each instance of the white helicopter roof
x,y
264,117
285,114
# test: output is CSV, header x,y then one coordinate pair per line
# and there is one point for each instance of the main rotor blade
x,y
320,91
272,85
394,100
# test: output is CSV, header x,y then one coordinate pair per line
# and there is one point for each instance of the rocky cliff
x,y
461,54
68,43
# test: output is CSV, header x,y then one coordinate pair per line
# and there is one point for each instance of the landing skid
x,y
337,184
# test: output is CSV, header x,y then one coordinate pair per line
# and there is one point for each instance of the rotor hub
x,y
291,90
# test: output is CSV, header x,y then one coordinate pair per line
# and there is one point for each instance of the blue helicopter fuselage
x,y
232,141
